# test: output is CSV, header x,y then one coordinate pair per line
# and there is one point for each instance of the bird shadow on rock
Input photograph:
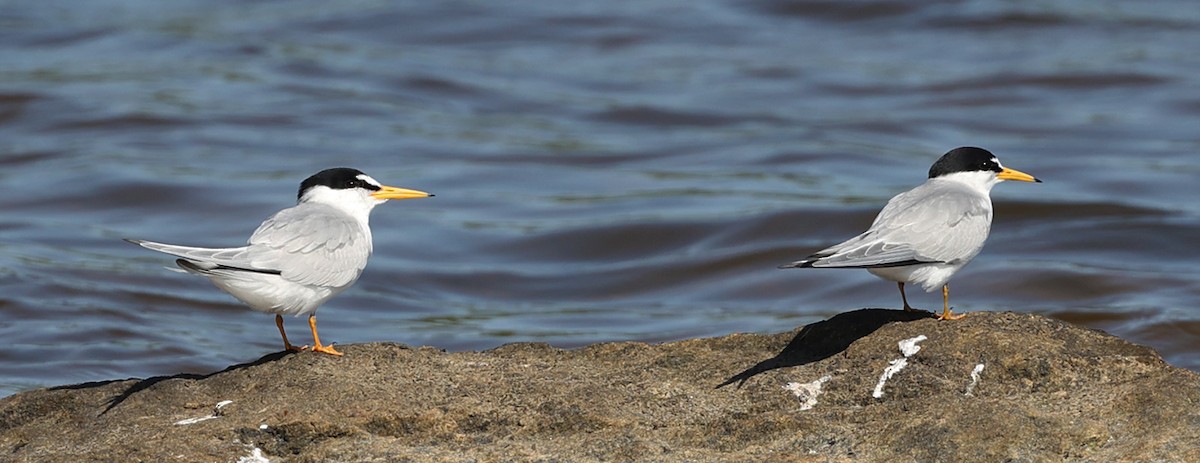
x,y
821,340
146,383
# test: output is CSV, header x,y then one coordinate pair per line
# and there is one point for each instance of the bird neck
x,y
353,202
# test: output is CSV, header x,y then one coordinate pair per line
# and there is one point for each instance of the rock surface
x,y
1047,391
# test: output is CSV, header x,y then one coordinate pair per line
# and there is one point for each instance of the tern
x,y
926,234
301,256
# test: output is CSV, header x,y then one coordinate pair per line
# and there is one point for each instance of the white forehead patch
x,y
368,179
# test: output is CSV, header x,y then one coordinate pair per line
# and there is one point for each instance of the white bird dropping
x,y
807,392
974,379
908,347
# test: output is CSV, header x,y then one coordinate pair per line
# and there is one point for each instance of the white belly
x,y
272,294
930,276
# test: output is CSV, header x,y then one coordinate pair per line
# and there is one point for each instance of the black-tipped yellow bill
x,y
1013,174
391,192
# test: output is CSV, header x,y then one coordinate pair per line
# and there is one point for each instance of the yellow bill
x,y
391,192
1013,174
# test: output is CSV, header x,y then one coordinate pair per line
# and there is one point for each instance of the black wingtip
x,y
188,265
132,241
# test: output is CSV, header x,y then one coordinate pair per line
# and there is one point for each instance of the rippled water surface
x,y
603,170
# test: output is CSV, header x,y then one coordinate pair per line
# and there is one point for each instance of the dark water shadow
x,y
146,383
821,340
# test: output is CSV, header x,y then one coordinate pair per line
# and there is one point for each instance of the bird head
x,y
351,190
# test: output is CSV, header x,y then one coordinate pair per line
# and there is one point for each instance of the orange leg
x,y
317,347
286,345
946,315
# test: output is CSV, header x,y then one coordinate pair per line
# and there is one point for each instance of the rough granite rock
x,y
1048,391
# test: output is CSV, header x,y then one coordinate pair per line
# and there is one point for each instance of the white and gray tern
x,y
926,234
303,255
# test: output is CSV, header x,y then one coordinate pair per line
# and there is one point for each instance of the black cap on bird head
x,y
965,159
337,178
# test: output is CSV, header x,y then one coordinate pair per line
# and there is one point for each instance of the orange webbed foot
x,y
327,350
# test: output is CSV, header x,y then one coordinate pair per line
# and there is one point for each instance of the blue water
x,y
604,171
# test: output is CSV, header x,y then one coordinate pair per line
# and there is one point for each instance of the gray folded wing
x,y
310,244
208,258
935,222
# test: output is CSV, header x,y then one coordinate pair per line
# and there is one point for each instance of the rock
x,y
1047,391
